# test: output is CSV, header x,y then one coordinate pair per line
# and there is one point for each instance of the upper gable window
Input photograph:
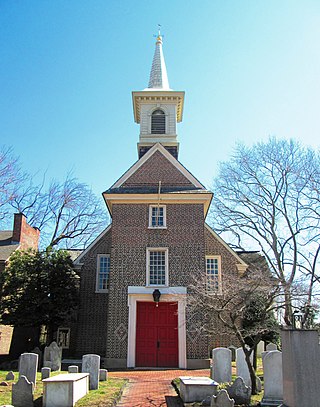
x,y
103,270
157,216
158,122
213,269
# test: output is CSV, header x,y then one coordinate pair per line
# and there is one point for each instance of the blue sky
x,y
250,69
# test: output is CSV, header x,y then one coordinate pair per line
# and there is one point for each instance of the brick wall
x,y
24,233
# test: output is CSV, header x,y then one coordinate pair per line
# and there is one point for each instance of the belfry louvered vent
x,y
158,122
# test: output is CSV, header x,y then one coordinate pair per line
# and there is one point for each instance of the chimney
x,y
26,235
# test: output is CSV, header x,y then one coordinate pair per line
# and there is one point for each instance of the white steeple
x,y
158,108
158,75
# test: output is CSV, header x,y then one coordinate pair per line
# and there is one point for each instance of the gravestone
x,y
221,365
242,367
91,365
10,376
260,348
300,368
28,366
273,383
45,373
40,356
239,392
103,375
263,354
52,357
271,346
22,393
73,369
222,399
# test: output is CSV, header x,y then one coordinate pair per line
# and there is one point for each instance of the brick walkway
x,y
152,388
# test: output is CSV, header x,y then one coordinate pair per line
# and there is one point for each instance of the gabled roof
x,y
6,245
77,261
145,174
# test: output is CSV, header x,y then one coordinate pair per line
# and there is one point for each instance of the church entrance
x,y
157,334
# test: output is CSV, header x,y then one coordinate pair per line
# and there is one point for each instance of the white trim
x,y
157,249
242,263
215,257
146,156
77,261
175,294
164,226
101,290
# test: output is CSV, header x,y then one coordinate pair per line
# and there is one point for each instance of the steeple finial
x,y
158,75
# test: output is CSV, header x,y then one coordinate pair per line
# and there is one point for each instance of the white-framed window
x,y
63,338
157,267
213,271
157,216
103,270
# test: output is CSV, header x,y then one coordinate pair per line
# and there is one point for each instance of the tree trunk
x,y
252,372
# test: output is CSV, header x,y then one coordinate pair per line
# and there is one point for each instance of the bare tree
x,y
263,200
68,214
10,177
242,307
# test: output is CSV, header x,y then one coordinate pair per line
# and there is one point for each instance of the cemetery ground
x,y
109,392
106,396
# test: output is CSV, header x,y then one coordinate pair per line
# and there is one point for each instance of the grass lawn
x,y
106,396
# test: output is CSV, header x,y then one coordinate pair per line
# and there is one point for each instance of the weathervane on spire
x,y
159,36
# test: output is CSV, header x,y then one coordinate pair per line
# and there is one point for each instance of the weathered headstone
x,y
40,356
52,356
28,366
22,393
271,346
73,369
242,367
300,368
10,376
273,383
239,392
222,399
103,375
45,373
91,365
263,354
221,365
260,348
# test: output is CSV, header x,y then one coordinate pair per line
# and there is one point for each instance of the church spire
x,y
158,75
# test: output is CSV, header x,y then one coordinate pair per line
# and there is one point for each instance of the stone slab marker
x,y
73,369
272,374
239,392
10,376
222,399
91,365
271,346
22,393
300,368
45,373
103,375
242,367
52,356
260,348
221,365
28,366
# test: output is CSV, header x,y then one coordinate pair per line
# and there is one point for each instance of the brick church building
x,y
135,275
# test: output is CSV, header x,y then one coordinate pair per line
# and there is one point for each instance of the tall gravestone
x,y
300,367
221,365
273,383
28,366
22,393
271,346
242,367
91,365
52,357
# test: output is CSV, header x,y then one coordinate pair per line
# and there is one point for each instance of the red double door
x,y
157,334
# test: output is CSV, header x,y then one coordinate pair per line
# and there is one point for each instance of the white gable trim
x,y
243,264
96,240
168,156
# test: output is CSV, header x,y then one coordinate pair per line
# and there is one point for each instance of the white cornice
x,y
155,96
168,156
242,266
95,241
